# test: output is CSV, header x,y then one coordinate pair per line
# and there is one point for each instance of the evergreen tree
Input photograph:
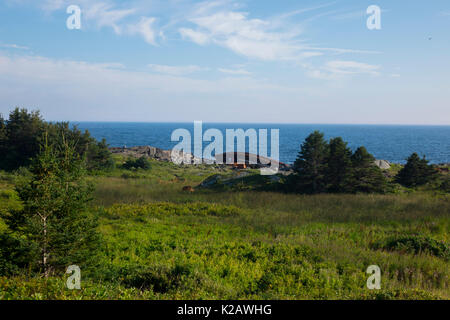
x,y
416,172
366,176
339,166
54,218
98,156
20,138
21,142
310,166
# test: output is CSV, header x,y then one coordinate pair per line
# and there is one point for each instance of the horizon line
x,y
244,122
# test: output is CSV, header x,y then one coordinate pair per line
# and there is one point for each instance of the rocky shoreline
x,y
165,155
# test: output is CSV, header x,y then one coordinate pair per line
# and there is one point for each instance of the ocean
x,y
388,142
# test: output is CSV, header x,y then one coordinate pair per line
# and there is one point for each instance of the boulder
x,y
382,164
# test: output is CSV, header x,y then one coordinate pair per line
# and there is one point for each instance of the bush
x,y
415,245
15,254
140,163
160,279
416,172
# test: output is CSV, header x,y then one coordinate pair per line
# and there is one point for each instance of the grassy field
x,y
163,243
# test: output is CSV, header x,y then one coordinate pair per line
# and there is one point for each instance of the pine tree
x,y
310,166
339,166
55,218
366,176
416,172
23,130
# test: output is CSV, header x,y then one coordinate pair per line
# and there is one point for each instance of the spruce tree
x,y
339,166
54,218
23,130
310,166
416,172
366,176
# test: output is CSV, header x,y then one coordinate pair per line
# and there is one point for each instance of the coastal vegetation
x,y
136,234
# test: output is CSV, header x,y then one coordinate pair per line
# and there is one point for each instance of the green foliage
x,y
339,166
365,176
445,184
310,166
416,244
253,245
9,201
21,137
54,218
140,163
159,242
15,254
416,172
98,156
331,167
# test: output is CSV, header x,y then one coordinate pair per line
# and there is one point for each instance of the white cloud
x,y
145,29
351,67
176,70
220,22
195,36
338,68
52,5
270,39
239,71
255,38
105,15
111,77
79,90
14,46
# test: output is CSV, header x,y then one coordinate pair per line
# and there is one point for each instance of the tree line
x,y
22,137
331,166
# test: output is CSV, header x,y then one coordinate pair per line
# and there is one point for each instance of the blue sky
x,y
228,61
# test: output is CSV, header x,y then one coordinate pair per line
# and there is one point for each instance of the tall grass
x,y
163,243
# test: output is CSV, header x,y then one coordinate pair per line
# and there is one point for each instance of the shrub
x,y
416,244
160,278
416,172
15,254
140,163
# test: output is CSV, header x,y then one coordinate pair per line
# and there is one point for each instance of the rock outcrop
x,y
383,164
155,153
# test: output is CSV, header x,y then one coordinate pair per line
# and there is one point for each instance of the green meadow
x,y
160,242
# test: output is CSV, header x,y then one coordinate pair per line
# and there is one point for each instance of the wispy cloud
x,y
358,14
273,38
145,28
106,15
238,71
220,22
235,30
14,46
195,36
338,68
176,70
102,90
